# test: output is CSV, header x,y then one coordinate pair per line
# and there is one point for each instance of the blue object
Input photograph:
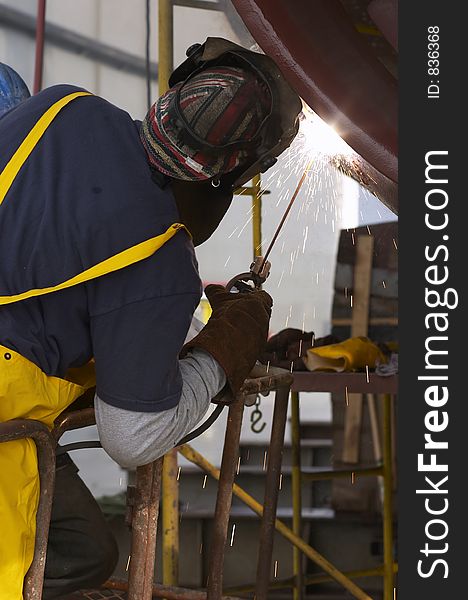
x,y
13,90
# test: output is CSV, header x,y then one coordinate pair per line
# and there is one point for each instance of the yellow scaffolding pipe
x,y
170,486
296,493
195,457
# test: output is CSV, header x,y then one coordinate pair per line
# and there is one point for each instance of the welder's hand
x,y
236,332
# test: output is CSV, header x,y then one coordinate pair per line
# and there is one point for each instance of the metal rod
x,y
144,529
286,212
256,217
270,502
342,473
170,499
195,457
310,580
170,519
224,499
388,498
165,44
296,493
169,592
20,429
39,57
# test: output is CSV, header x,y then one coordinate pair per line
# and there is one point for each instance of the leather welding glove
x,y
236,332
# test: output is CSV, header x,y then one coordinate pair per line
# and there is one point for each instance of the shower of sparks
x,y
281,481
346,395
238,465
128,562
265,454
367,373
232,534
178,473
204,481
276,569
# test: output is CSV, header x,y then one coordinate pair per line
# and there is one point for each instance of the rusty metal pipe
x,y
169,592
270,503
224,499
39,57
73,420
18,429
144,528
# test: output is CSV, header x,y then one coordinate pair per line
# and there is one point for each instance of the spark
x,y
232,533
265,454
346,292
281,278
248,455
352,238
351,300
201,548
384,284
245,225
353,477
292,366
268,366
281,481
178,473
368,230
128,562
394,243
300,348
367,373
204,481
120,482
346,395
238,465
226,263
305,238
234,231
276,569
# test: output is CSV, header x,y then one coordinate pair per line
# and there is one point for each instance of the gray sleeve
x,y
137,438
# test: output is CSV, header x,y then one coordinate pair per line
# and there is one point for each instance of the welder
x,y
99,216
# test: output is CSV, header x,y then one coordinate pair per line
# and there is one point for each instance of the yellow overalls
x,y
28,393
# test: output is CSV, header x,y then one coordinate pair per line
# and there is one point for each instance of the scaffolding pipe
x,y
388,498
195,457
296,484
39,59
256,216
170,486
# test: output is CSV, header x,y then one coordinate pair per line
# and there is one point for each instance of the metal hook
x,y
256,416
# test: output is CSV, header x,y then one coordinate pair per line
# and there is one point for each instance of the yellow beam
x,y
195,457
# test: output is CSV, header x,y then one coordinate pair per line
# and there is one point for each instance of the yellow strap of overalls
x,y
118,261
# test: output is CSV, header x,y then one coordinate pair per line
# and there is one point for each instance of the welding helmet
x,y
13,89
275,131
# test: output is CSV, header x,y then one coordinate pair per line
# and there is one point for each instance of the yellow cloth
x,y
353,354
25,393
